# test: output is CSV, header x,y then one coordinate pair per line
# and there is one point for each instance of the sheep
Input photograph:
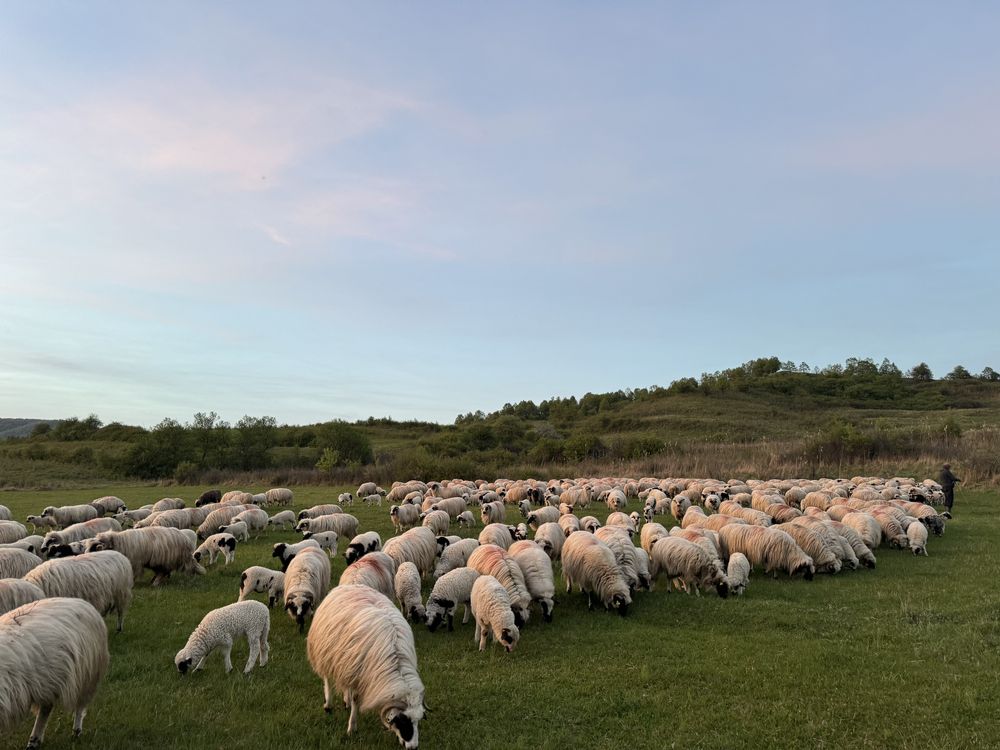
x,y
221,543
39,522
51,651
282,519
15,562
306,582
866,526
102,578
568,524
750,515
404,517
79,531
455,555
649,534
279,496
362,648
67,550
162,550
437,521
687,564
916,534
537,570
489,559
285,552
550,537
208,496
520,531
5,514
16,591
238,529
218,518
361,545
181,518
547,514
108,504
589,523
636,519
738,573
320,510
237,497
619,519
257,580
417,545
491,609
376,570
492,513
590,564
498,534
768,547
466,519
837,544
11,531
524,508
344,524
824,556
853,538
617,538
255,519
167,503
453,506
345,498
368,488
127,517
891,528
781,513
678,507
219,628
32,544
616,500
67,515
452,588
407,587
373,499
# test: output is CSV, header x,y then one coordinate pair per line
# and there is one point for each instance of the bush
x,y
186,473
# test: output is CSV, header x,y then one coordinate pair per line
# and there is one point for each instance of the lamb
x,y
687,564
162,550
373,499
15,562
219,518
306,582
345,498
320,510
768,547
489,559
279,496
407,587
916,534
491,608
361,545
344,524
404,517
327,540
537,570
590,564
167,503
455,555
362,648
376,570
738,573
466,519
237,529
437,521
108,504
39,522
257,580
102,578
547,514
67,515
550,537
219,628
417,545
16,591
568,524
11,531
492,513
51,651
452,588
221,543
285,552
498,534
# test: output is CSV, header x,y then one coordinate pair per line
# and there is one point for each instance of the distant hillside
x,y
18,428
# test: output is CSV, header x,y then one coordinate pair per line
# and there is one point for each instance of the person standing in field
x,y
947,480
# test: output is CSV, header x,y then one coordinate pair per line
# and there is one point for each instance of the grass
x,y
903,656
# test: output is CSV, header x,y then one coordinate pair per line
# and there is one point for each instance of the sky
x,y
317,211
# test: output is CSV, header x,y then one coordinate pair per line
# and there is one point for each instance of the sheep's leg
x,y
327,706
352,723
227,649
479,630
483,637
121,617
451,621
265,650
569,584
38,730
254,644
466,618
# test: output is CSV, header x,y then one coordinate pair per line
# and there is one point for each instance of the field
x,y
902,656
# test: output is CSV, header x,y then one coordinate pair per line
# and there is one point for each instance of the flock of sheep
x,y
55,589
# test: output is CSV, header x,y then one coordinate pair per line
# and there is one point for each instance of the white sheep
x,y
15,562
51,651
327,540
618,539
345,498
320,510
11,531
32,544
495,561
167,503
537,570
404,517
407,588
437,521
590,523
550,537
362,649
738,573
39,522
102,578
5,514
279,496
16,591
687,565
494,512
127,517
220,628
218,518
768,547
108,504
217,544
450,590
344,524
417,545
916,533
306,582
373,499
453,506
376,569
162,550
547,514
67,515
79,531
569,524
466,519
455,555
282,519
498,534
175,518
285,552
256,519
361,545
237,529
589,563
493,614
258,580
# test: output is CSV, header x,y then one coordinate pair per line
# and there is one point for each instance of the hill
x,y
17,428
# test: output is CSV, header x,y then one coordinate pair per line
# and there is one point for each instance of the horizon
x,y
420,212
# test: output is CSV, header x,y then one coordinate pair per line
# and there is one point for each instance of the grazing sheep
x,y
362,649
368,488
255,519
51,651
67,515
79,531
217,544
853,538
11,531
417,545
237,497
407,587
108,504
537,570
219,628
16,591
687,565
916,534
306,582
466,519
498,534
218,518
453,506
489,559
491,608
437,521
279,496
282,519
617,538
866,526
102,578
824,556
738,573
568,524
455,555
619,519
768,547
590,523
373,499
834,541
181,518
650,533
15,562
258,580
39,522
550,537
162,550
32,544
285,552
344,524
404,517
320,510
452,588
167,503
361,545
345,498
376,569
208,496
547,514
590,564
237,529
493,512
127,517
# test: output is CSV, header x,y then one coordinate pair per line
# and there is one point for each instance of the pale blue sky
x,y
424,209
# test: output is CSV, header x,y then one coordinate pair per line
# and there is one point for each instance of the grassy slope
x,y
903,656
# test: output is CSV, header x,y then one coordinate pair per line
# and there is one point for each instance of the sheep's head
x,y
509,638
417,613
521,531
298,608
354,551
404,724
620,602
279,550
182,662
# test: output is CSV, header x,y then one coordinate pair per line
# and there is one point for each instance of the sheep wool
x,y
162,550
455,555
738,573
589,563
491,560
417,545
282,519
220,628
15,562
550,537
306,582
450,590
375,569
104,579
11,531
537,570
320,510
493,615
407,587
344,524
16,591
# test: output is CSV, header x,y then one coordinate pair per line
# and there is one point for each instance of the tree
x,y
889,368
158,452
989,374
211,439
959,373
921,372
342,443
254,437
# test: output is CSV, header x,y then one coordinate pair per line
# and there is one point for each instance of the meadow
x,y
903,656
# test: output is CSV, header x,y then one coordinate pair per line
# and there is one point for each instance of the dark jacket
x,y
947,480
